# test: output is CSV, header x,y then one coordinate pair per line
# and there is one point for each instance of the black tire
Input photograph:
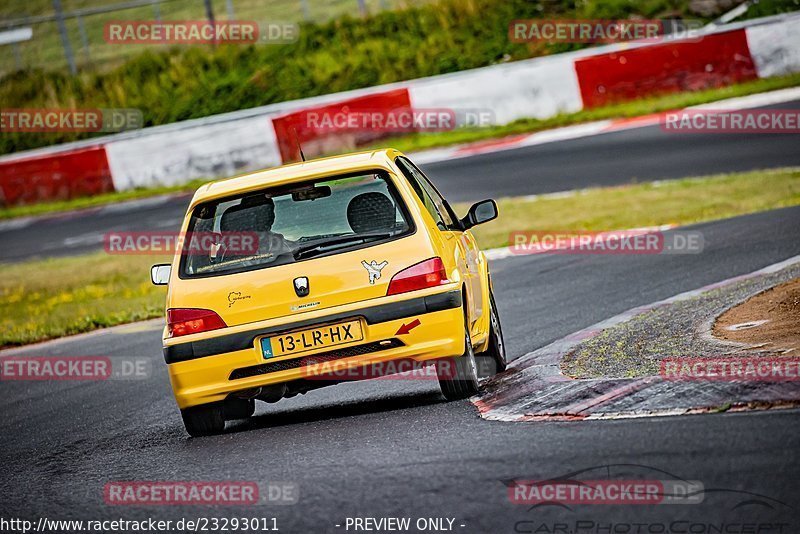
x,y
204,420
239,408
497,346
458,377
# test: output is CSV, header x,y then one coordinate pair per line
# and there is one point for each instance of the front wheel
x,y
204,420
458,377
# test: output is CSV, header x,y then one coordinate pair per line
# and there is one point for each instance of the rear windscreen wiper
x,y
312,249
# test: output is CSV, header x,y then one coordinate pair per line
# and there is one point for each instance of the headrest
x,y
370,212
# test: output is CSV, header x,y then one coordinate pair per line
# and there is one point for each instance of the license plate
x,y
312,339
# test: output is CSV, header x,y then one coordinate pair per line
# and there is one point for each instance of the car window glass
x,y
437,198
433,203
291,223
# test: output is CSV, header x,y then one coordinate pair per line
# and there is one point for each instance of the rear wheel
x,y
497,347
204,420
458,377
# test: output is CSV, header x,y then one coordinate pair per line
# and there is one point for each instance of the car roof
x,y
295,172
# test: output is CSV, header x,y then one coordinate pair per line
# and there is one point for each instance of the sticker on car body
x,y
374,269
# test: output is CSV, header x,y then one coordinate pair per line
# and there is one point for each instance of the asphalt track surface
x,y
395,448
641,154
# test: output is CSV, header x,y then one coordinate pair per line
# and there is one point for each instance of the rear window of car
x,y
288,224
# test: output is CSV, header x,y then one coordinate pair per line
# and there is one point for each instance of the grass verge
x,y
44,299
423,141
680,202
51,298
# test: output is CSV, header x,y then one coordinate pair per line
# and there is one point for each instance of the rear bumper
x,y
208,370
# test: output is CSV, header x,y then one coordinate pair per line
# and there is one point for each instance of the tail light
x,y
185,321
429,273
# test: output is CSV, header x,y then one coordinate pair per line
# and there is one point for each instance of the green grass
x,y
419,142
43,299
46,51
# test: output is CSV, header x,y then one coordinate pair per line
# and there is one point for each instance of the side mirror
x,y
479,213
159,274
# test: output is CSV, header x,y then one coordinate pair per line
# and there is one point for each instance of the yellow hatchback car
x,y
319,267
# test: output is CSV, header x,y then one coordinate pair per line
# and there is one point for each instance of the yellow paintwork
x,y
340,278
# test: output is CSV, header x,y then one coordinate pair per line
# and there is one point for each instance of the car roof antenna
x,y
299,146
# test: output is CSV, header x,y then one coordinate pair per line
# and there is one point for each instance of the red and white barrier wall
x,y
298,127
719,59
171,156
238,142
57,176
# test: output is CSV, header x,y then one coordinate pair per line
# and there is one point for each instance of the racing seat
x,y
371,212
